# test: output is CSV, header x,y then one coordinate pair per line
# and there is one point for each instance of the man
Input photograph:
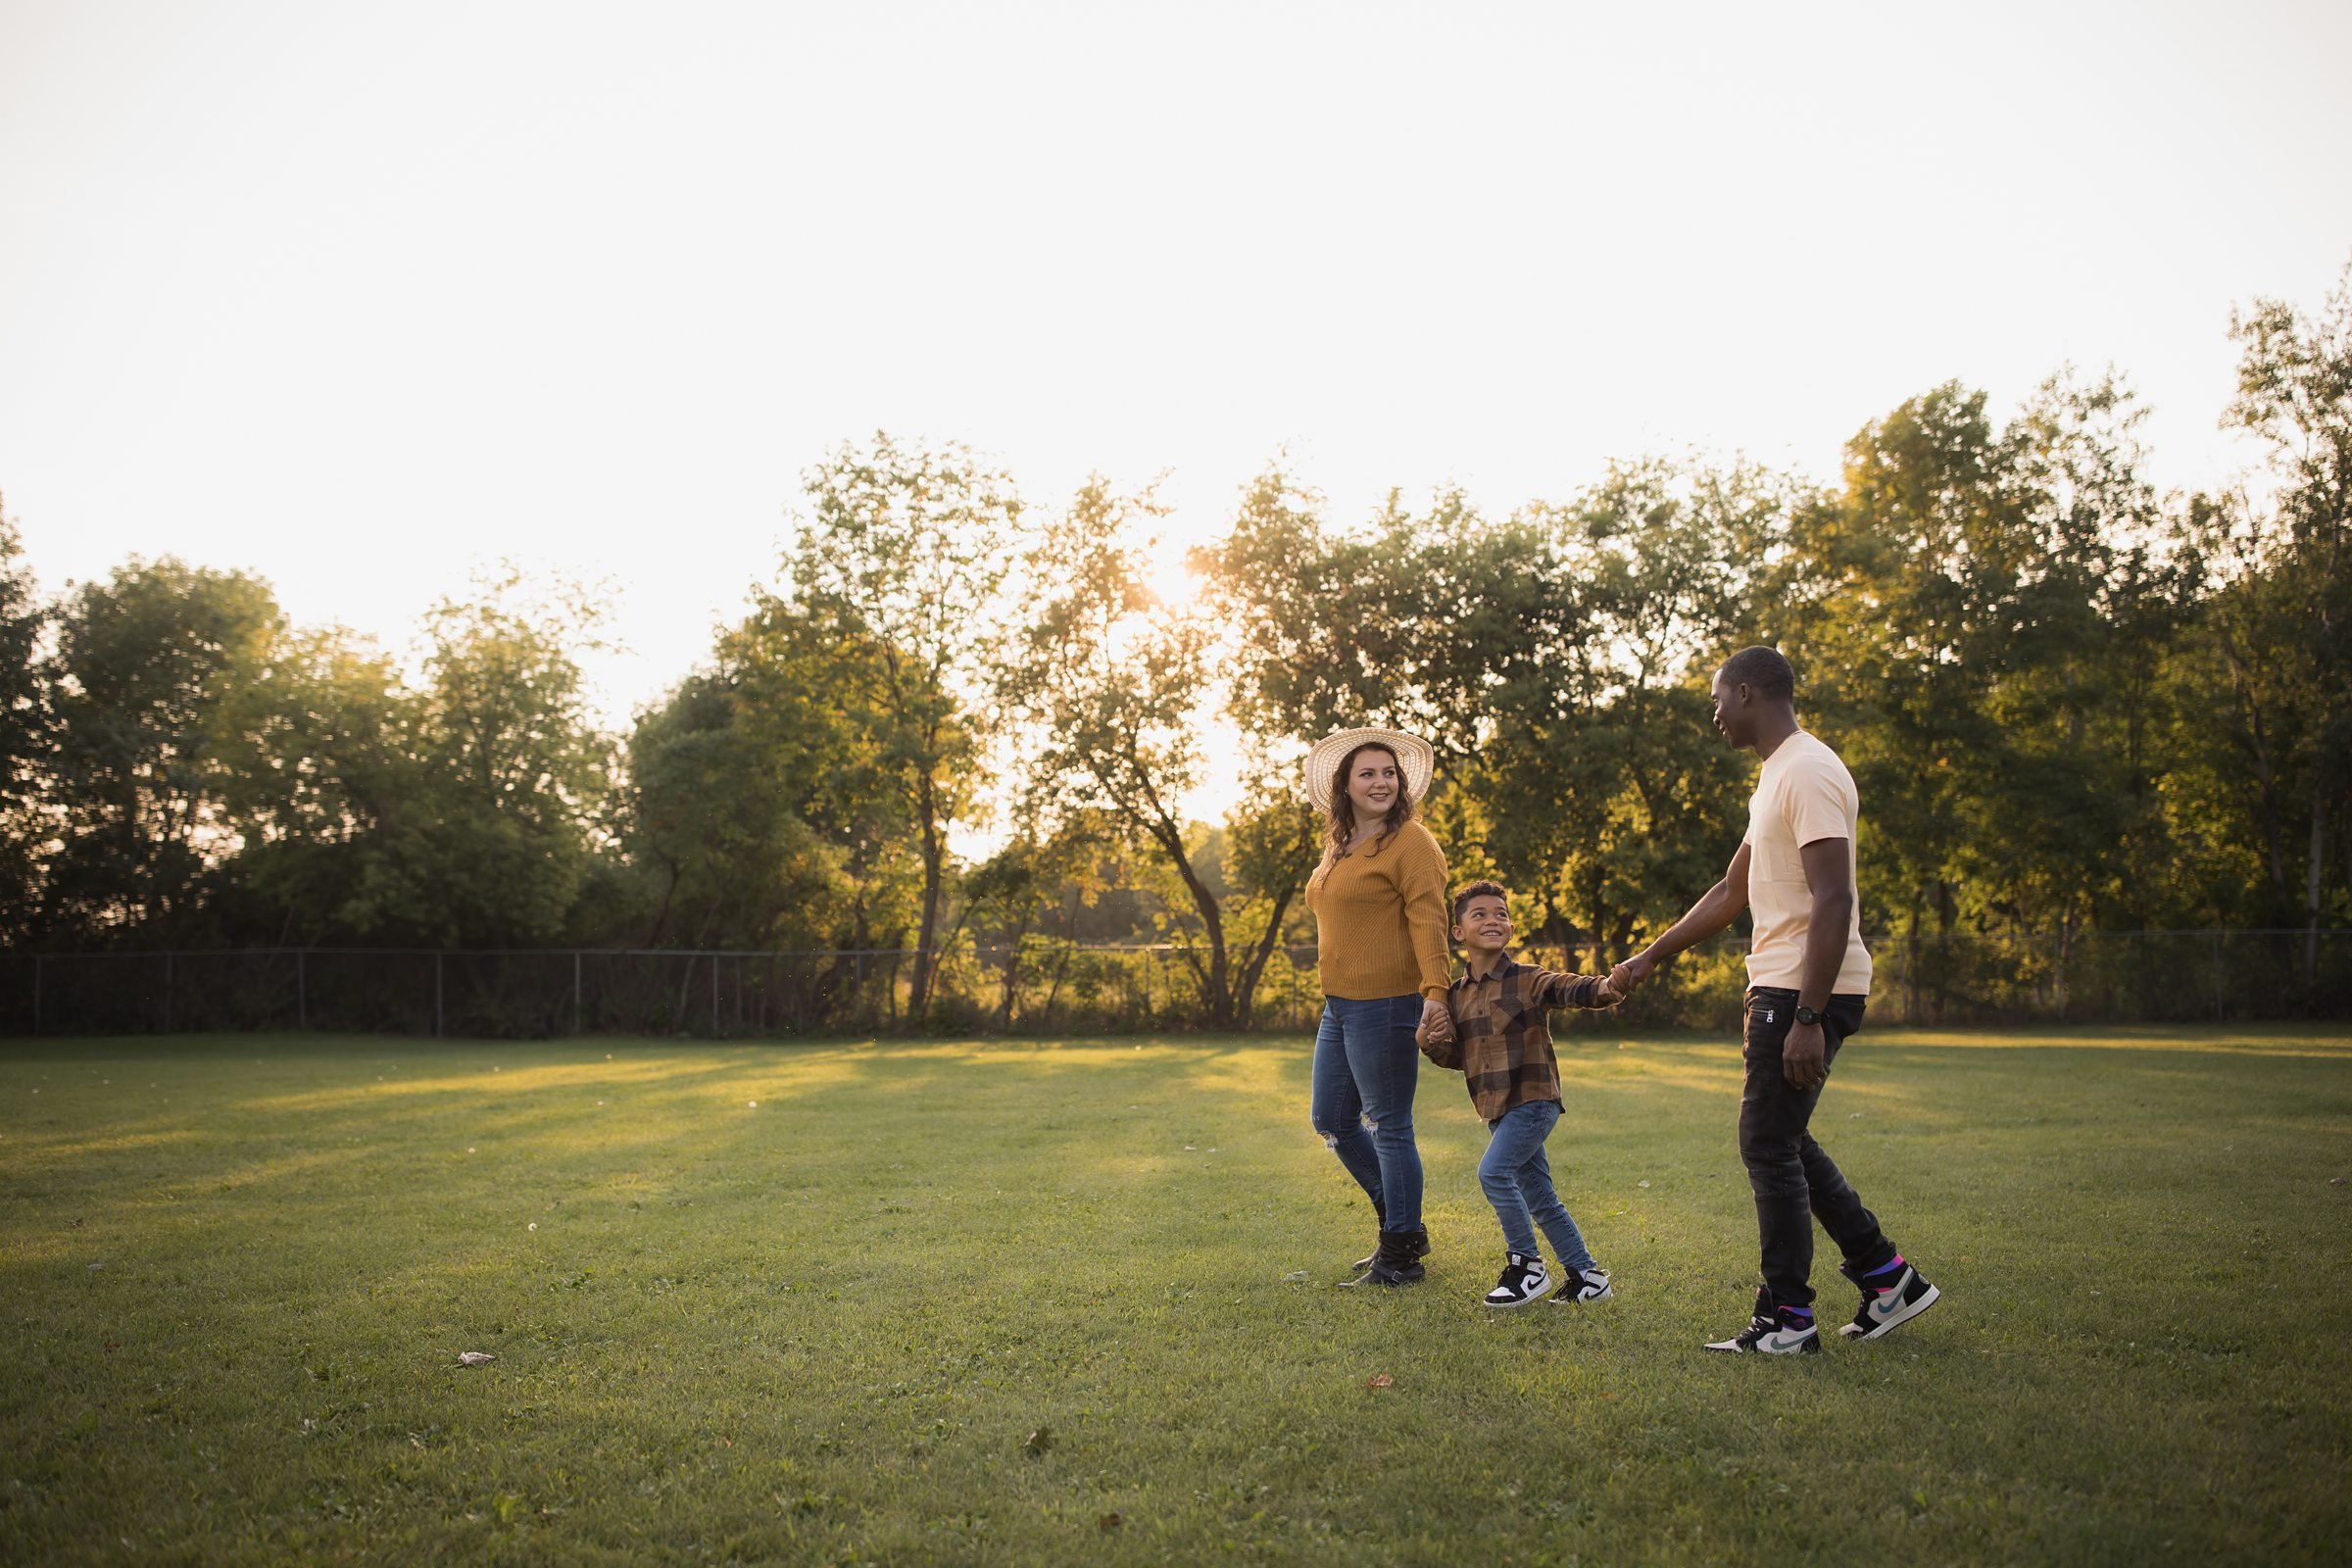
x,y
1808,980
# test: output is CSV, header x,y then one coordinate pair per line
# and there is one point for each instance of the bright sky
x,y
364,297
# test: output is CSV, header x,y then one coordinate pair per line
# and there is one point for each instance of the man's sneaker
x,y
1525,1280
1581,1288
1773,1332
1890,1297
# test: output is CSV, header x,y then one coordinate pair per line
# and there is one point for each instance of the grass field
x,y
1009,1303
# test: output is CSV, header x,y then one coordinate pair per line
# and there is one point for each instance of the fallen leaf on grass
x,y
1606,1395
1039,1441
1380,1380
475,1358
1107,1523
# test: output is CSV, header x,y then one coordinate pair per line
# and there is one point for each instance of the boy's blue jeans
x,y
1518,1183
1366,1066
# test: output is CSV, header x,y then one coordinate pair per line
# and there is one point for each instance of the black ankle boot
x,y
1381,1212
1420,1240
1397,1262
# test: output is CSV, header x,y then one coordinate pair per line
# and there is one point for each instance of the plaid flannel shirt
x,y
1503,1033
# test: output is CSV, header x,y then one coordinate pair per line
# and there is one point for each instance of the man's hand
x,y
1436,1023
1631,974
1805,1058
1604,994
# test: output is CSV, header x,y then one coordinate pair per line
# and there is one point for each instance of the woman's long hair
x,y
1343,809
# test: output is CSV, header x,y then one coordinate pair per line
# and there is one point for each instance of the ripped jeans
x,y
1366,1066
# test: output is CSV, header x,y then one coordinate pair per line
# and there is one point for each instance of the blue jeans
x,y
1518,1183
1366,1066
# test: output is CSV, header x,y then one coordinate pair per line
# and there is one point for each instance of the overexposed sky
x,y
364,297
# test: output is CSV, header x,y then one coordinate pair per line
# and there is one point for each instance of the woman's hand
x,y
1436,1023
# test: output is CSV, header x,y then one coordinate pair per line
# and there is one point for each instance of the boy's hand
x,y
1606,994
1437,1021
1631,974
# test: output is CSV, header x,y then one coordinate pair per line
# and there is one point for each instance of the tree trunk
x,y
1254,967
918,991
1216,986
2310,886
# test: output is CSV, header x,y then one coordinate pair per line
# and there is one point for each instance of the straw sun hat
x,y
1414,757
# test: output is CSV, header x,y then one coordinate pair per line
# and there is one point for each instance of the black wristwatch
x,y
1807,1015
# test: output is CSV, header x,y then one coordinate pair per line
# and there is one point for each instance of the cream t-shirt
x,y
1803,795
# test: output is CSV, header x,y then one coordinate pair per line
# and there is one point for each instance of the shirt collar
x,y
1504,963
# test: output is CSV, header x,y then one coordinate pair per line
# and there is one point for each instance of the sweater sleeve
x,y
1421,878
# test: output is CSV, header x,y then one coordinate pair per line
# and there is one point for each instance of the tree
x,y
146,662
1893,597
901,559
2064,822
314,754
492,842
2294,393
1608,796
24,737
1406,624
1112,686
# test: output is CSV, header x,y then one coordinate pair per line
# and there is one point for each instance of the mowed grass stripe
x,y
1013,1301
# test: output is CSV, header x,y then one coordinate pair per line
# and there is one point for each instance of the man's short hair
x,y
1481,888
1763,671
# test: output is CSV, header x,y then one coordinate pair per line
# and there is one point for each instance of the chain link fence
x,y
1047,987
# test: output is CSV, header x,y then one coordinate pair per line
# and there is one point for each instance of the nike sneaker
x,y
1581,1288
1525,1282
1890,1297
1773,1331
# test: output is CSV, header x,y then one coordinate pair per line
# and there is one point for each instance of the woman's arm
x,y
1421,879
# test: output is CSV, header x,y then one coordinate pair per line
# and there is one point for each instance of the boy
x,y
1502,1045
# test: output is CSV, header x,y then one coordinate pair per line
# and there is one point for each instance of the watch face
x,y
1806,1016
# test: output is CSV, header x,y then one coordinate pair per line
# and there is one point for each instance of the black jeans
x,y
1796,1180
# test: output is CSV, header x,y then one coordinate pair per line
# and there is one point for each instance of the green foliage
x,y
1114,690
2073,705
148,663
901,559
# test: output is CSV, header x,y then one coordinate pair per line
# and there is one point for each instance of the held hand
x,y
1631,974
1436,1023
1606,994
1804,1058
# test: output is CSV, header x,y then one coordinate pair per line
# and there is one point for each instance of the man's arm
x,y
1715,910
1829,873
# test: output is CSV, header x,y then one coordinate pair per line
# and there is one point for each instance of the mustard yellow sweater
x,y
1380,919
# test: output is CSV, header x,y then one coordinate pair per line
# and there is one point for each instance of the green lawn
x,y
1008,1302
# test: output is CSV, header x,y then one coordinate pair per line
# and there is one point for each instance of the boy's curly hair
x,y
1482,888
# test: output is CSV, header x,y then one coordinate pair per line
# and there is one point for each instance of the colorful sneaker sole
x,y
1895,1319
1780,1342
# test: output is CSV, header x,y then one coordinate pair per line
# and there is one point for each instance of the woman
x,y
1379,898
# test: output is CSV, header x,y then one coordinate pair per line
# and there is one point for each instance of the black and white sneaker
x,y
1887,1306
1525,1280
1773,1332
1581,1288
